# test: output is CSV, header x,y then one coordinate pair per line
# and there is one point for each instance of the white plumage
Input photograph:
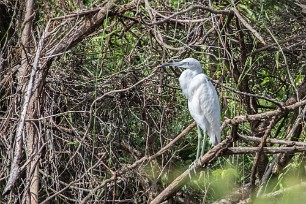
x,y
202,98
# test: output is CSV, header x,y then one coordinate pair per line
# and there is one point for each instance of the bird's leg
x,y
203,143
199,142
198,150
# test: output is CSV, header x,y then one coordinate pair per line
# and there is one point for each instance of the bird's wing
x,y
209,104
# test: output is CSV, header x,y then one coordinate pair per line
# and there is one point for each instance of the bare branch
x,y
268,150
265,115
248,26
271,140
15,166
183,178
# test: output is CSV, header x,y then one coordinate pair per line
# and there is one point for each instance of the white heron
x,y
203,103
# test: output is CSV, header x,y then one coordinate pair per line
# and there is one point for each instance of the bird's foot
x,y
192,167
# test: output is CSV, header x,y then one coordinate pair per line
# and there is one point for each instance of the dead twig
x,y
190,8
248,26
259,153
278,103
139,162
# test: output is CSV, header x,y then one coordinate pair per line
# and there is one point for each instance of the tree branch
x,y
265,115
248,26
15,166
268,150
271,140
183,178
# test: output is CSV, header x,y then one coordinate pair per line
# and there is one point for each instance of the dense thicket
x,y
88,115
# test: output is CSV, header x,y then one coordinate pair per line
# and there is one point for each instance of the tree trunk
x,y
32,153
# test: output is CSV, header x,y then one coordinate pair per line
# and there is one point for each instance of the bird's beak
x,y
174,64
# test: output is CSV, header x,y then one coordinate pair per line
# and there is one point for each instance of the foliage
x,y
97,115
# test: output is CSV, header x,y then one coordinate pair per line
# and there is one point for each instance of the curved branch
x,y
184,177
243,118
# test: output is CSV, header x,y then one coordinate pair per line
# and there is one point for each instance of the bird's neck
x,y
193,72
188,75
185,79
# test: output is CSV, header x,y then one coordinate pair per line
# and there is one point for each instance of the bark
x,y
32,152
25,93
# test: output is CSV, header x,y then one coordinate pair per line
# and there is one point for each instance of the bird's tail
x,y
215,136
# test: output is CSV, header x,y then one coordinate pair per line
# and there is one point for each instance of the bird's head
x,y
188,63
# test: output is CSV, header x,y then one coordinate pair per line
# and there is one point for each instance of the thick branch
x,y
25,38
184,177
243,118
268,150
271,140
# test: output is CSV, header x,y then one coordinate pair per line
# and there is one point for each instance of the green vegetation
x,y
103,105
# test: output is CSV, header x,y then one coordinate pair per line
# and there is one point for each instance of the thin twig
x,y
193,7
278,103
138,162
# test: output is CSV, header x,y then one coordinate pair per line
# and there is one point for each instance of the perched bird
x,y
203,103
